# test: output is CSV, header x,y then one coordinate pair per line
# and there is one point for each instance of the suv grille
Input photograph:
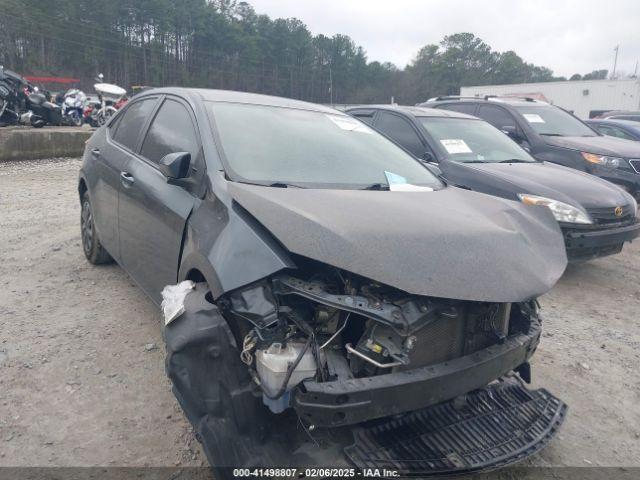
x,y
607,216
635,164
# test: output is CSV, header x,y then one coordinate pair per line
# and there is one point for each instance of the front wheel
x,y
76,118
93,249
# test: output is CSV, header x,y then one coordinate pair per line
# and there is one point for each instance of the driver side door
x,y
152,212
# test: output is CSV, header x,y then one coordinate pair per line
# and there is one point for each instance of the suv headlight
x,y
563,212
604,160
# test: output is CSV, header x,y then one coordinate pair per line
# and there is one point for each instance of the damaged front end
x,y
319,366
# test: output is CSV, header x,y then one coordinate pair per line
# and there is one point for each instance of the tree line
x,y
227,44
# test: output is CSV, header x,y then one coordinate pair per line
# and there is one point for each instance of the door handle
x,y
95,153
127,179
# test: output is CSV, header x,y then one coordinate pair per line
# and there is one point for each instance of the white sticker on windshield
x,y
455,145
350,124
397,183
533,118
408,187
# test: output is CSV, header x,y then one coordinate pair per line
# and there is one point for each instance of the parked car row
x,y
596,217
342,278
552,134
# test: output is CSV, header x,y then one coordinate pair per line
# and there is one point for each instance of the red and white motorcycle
x,y
109,96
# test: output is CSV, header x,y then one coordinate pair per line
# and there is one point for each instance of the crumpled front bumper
x,y
338,403
488,427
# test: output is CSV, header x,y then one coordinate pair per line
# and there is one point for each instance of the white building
x,y
584,98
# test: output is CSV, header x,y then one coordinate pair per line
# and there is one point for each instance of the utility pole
x,y
615,62
330,85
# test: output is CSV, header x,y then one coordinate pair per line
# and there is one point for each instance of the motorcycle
x,y
73,106
109,96
40,111
13,90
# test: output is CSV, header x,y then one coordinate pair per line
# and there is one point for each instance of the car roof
x,y
230,96
512,101
413,111
621,112
615,121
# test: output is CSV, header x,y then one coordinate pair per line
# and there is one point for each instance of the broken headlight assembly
x,y
603,160
563,212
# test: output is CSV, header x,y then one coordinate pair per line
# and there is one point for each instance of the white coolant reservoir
x,y
272,365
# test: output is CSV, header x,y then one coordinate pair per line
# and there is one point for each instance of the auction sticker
x,y
455,145
533,118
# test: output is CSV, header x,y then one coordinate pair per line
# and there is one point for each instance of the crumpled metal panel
x,y
450,243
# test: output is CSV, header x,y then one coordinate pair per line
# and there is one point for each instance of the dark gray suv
x,y
554,135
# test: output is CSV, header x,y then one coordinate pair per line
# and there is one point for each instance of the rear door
x,y
153,213
109,159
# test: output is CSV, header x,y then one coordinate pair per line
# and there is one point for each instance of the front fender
x,y
229,247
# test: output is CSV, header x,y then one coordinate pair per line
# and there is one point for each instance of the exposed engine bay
x,y
319,366
333,326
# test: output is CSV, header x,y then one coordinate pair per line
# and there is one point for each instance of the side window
x,y
467,108
171,131
614,132
496,116
131,122
603,129
401,132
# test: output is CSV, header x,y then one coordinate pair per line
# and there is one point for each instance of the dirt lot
x,y
81,360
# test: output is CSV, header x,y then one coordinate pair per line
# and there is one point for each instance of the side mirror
x,y
175,165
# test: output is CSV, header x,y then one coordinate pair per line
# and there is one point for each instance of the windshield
x,y
553,121
274,145
467,140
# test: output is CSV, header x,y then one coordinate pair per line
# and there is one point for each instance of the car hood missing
x,y
450,243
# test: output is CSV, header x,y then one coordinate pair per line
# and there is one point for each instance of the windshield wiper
x,y
474,161
376,186
273,184
552,135
515,160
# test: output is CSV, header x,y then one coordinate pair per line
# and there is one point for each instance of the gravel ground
x,y
82,379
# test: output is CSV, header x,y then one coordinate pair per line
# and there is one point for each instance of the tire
x,y
76,119
91,246
100,119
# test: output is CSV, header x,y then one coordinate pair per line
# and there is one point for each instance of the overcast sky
x,y
566,36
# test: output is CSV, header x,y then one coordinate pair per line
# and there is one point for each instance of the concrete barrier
x,y
28,143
